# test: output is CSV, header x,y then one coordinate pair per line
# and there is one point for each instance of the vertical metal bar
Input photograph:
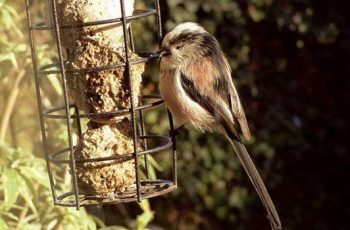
x,y
133,117
67,108
171,122
39,102
143,130
143,133
173,139
159,22
77,113
132,45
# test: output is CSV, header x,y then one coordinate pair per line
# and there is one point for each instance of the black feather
x,y
184,38
209,104
195,95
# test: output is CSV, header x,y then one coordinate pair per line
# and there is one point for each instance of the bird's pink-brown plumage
x,y
195,81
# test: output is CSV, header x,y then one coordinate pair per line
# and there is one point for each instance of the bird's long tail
x,y
258,183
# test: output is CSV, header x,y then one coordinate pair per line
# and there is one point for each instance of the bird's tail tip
x,y
258,184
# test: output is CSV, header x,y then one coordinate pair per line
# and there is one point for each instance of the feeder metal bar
x,y
133,117
64,83
38,97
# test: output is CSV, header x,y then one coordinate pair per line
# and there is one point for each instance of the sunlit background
x,y
290,65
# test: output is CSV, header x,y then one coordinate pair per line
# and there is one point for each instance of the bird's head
x,y
187,42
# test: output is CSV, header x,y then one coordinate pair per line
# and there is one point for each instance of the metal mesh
x,y
145,188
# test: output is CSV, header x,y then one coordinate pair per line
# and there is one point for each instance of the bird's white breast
x,y
183,108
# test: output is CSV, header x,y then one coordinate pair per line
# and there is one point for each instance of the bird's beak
x,y
163,52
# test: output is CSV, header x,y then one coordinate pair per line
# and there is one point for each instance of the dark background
x,y
290,61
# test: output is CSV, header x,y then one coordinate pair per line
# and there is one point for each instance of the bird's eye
x,y
178,47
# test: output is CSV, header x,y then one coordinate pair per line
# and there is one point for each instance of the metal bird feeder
x,y
143,186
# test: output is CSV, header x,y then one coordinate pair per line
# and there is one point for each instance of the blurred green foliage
x,y
289,61
25,193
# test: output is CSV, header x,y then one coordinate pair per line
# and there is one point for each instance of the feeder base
x,y
148,189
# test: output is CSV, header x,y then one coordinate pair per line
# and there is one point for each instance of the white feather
x,y
183,108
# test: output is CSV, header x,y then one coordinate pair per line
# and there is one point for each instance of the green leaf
x,y
98,221
146,217
52,224
9,57
39,176
55,84
114,228
30,185
10,215
29,218
3,224
25,192
12,11
145,206
155,164
6,18
90,224
11,188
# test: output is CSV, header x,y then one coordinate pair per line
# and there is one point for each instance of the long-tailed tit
x,y
195,81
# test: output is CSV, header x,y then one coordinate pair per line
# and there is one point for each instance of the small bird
x,y
195,82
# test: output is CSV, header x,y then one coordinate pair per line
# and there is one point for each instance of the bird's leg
x,y
176,131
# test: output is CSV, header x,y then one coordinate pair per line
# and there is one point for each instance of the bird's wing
x,y
216,89
209,104
237,110
219,97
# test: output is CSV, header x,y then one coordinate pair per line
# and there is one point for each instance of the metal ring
x,y
163,142
49,112
149,189
137,14
147,56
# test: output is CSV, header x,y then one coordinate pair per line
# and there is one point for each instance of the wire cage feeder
x,y
143,186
